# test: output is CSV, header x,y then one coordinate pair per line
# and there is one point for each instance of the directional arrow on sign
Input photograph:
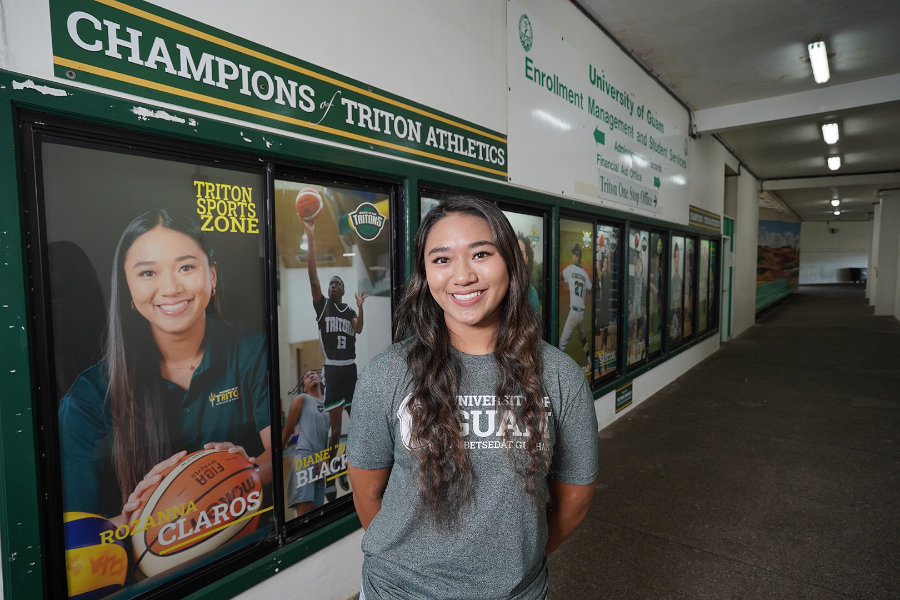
x,y
599,136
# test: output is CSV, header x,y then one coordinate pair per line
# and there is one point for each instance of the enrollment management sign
x,y
141,49
592,124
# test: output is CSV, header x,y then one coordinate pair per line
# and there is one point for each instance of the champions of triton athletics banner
x,y
159,364
142,49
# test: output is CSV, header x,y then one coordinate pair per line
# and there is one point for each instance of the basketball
x,y
96,562
207,499
309,205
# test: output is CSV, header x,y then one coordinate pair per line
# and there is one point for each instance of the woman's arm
x,y
568,506
368,490
291,420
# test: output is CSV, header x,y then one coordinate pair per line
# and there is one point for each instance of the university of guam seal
x,y
367,222
526,34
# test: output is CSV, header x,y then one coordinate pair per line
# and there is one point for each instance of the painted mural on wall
x,y
778,252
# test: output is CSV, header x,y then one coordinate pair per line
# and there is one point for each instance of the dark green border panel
x,y
23,564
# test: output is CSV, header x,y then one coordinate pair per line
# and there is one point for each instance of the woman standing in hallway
x,y
473,443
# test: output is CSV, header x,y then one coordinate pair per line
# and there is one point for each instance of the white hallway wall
x,y
447,55
828,249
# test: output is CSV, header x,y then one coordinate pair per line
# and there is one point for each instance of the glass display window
x,y
690,277
576,285
333,262
638,284
156,299
656,293
703,287
607,311
676,289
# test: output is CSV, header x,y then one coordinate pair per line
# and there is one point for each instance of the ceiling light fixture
x,y
837,212
818,59
835,203
834,163
830,133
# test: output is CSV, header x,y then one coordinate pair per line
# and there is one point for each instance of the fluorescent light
x,y
835,203
818,59
834,163
830,133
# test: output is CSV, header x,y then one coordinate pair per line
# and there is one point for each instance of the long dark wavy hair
x,y
436,436
131,359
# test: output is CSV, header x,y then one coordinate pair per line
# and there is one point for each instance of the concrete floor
x,y
769,471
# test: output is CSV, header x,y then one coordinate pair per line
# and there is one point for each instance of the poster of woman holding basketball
x,y
166,437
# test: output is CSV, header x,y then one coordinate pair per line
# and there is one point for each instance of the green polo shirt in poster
x,y
227,401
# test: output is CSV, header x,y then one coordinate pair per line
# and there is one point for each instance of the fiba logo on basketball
x,y
367,221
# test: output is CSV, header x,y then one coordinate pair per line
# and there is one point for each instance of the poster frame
x,y
35,130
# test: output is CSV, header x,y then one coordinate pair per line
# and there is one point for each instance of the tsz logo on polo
x,y
367,221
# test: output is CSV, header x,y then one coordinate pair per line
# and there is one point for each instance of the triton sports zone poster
x,y
160,363
334,316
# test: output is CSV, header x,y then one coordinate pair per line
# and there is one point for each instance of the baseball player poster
x,y
334,316
576,285
606,321
156,309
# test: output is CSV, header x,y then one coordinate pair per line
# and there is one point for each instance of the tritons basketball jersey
x,y
336,332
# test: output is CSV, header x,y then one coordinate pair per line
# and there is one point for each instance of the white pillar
x,y
887,268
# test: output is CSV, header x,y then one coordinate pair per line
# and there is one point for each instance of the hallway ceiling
x,y
742,68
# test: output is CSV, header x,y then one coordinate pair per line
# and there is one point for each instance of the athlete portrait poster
x,y
655,293
334,316
160,363
690,277
606,322
703,288
676,288
576,290
638,284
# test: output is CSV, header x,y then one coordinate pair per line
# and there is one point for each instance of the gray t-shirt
x,y
497,550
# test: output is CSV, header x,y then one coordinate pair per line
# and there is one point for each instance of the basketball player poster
x,y
160,366
334,316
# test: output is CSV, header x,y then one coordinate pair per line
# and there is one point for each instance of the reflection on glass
x,y
690,273
655,293
334,316
638,282
676,292
529,231
703,288
575,297
607,293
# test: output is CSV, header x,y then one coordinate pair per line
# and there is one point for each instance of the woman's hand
x,y
231,448
154,476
